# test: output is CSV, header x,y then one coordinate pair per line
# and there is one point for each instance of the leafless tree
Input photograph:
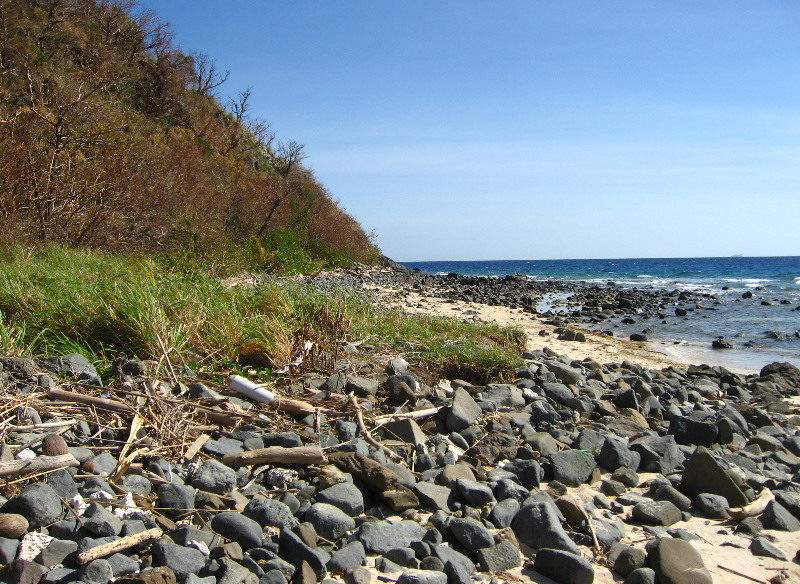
x,y
206,75
287,156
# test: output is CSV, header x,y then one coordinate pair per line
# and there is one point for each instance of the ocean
x,y
763,328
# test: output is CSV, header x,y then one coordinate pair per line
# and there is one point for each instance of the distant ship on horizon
x,y
737,255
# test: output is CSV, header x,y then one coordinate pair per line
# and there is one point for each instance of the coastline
x,y
599,347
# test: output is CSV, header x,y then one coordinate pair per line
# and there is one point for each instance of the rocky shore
x,y
579,471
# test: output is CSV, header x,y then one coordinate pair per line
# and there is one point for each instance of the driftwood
x,y
98,402
192,451
119,545
297,455
292,405
753,509
416,415
392,454
36,465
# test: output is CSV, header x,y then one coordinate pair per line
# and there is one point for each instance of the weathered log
x,y
297,455
124,543
36,465
753,509
98,402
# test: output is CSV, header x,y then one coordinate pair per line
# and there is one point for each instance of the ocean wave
x,y
645,276
749,280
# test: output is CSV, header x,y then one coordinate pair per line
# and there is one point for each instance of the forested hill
x,y
113,138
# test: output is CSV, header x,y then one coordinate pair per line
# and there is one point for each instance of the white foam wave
x,y
748,280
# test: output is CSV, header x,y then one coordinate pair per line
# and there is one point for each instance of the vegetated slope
x,y
111,137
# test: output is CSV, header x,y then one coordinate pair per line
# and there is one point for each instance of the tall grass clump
x,y
57,300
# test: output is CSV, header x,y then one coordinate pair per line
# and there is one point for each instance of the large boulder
x,y
538,525
675,561
706,474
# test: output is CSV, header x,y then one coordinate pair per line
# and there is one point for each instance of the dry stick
x,y
43,426
297,455
740,574
166,356
198,443
381,420
37,465
119,545
98,402
393,455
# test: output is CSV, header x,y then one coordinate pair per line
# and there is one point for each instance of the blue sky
x,y
474,130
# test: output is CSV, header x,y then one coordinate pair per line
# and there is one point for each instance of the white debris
x,y
200,545
280,477
32,544
78,505
128,508
101,496
26,454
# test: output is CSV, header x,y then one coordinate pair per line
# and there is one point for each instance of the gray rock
x,y
690,431
706,474
676,561
62,483
776,516
504,512
214,477
564,373
199,390
381,536
329,522
448,555
422,577
538,525
404,430
285,439
463,412
122,565
181,560
658,454
38,503
656,512
502,395
269,512
58,551
137,484
103,464
641,576
231,572
361,386
177,499
712,506
350,556
8,550
761,546
470,534
294,551
405,557
75,365
435,496
629,559
503,556
475,493
97,572
60,576
456,572
563,567
572,467
222,446
345,496
671,494
239,528
100,521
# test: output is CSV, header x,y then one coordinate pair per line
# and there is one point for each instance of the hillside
x,y
113,138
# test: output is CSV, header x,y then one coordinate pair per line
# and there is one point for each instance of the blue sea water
x,y
745,322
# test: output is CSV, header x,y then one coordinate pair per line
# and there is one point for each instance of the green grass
x,y
58,300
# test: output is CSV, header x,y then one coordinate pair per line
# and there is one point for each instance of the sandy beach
x,y
600,347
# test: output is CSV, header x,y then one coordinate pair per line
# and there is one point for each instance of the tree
x,y
206,75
